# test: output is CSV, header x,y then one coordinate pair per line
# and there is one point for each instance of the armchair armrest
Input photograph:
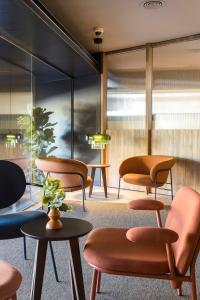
x,y
145,204
152,234
129,165
162,166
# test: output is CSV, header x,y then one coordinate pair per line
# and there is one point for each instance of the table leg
x,y
73,289
92,176
38,270
103,170
77,274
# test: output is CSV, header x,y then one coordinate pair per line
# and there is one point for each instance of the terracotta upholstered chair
x,y
10,280
152,252
72,173
150,171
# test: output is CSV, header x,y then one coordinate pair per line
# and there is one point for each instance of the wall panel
x,y
126,111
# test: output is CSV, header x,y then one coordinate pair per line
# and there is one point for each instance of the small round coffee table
x,y
103,171
71,231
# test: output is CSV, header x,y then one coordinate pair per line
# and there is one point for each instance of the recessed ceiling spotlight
x,y
153,4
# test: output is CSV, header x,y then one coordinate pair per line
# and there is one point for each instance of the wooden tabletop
x,y
72,228
98,165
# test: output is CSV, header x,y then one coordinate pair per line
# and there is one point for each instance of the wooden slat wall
x,y
123,144
184,145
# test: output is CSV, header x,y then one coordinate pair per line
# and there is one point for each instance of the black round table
x,y
71,231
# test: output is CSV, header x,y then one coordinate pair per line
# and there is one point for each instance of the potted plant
x,y
39,138
53,197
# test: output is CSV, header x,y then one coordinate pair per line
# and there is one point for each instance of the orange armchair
x,y
10,280
162,253
72,173
148,170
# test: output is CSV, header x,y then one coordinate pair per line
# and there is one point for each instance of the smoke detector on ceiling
x,y
153,4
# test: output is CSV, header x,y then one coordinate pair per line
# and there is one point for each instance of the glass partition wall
x,y
174,108
44,112
126,110
15,101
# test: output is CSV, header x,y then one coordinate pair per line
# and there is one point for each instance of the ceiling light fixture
x,y
153,4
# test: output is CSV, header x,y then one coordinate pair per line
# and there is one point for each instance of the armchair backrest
x,y
146,165
69,171
184,218
12,182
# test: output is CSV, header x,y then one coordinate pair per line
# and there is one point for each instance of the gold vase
x,y
54,222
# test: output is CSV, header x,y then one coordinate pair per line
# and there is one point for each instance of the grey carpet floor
x,y
113,287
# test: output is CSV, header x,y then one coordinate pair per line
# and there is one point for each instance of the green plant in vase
x,y
53,197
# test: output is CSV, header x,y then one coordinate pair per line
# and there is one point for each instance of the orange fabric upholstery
x,y
10,280
148,234
142,170
108,249
145,204
61,168
184,218
163,253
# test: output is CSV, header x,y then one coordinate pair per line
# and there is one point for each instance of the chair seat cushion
x,y
10,224
139,179
10,280
77,188
110,251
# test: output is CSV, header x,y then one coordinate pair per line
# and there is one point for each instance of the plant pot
x,y
54,222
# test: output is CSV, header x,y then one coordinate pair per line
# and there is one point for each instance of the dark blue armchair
x,y
12,187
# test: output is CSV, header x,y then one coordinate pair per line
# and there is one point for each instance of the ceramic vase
x,y
54,219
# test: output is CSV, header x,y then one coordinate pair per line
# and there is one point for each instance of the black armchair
x,y
12,188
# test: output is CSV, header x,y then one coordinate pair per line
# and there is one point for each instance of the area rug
x,y
100,214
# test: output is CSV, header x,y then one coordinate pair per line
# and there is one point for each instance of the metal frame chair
x,y
155,183
44,164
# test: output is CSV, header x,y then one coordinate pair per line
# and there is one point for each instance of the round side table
x,y
71,231
103,172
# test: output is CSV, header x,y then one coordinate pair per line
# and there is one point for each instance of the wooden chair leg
x,y
98,282
158,217
14,297
179,291
193,287
94,285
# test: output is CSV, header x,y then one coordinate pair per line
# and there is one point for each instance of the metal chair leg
x,y
155,189
119,186
24,245
170,172
53,261
84,197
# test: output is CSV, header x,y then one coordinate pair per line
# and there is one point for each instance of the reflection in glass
x,y
126,110
176,108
